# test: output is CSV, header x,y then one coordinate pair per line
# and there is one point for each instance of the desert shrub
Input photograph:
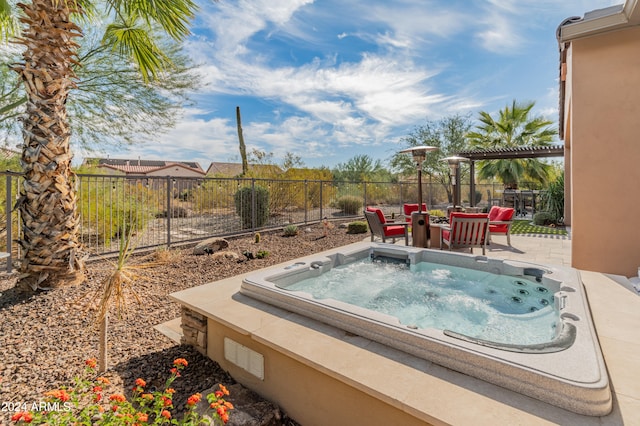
x,y
357,227
555,199
243,201
290,230
115,206
176,211
436,213
543,218
349,204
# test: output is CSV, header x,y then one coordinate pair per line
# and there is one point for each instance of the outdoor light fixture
x,y
419,220
454,166
419,154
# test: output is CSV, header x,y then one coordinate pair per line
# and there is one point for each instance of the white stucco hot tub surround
x,y
567,372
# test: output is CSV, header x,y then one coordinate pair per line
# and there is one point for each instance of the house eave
x,y
609,19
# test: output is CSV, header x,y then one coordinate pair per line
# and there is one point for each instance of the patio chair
x,y
465,230
380,227
492,201
410,208
500,221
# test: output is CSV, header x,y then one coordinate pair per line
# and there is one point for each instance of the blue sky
x,y
327,80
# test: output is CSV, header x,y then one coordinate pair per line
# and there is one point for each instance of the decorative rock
x,y
232,255
249,408
210,246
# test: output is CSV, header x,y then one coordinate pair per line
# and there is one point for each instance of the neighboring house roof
x,y
142,167
595,22
235,169
7,153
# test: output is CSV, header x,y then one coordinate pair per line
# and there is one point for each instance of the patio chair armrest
x,y
405,224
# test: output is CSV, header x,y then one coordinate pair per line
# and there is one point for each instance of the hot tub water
x,y
474,303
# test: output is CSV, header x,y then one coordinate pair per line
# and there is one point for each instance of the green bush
x,y
358,227
243,199
543,218
349,204
555,199
436,213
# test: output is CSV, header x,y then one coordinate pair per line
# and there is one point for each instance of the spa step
x,y
172,329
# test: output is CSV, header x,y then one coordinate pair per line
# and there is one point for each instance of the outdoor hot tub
x,y
521,326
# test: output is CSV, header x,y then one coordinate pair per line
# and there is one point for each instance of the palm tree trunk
x,y
47,203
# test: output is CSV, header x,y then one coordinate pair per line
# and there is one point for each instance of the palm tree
x,y
52,254
514,128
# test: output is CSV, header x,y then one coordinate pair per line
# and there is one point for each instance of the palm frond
x,y
8,21
173,16
135,42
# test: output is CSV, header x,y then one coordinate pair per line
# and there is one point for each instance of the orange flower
x,y
180,362
223,389
165,414
97,389
103,380
17,416
221,410
224,418
142,417
194,399
91,363
60,394
219,394
175,371
166,401
97,397
141,383
147,396
228,405
117,397
170,390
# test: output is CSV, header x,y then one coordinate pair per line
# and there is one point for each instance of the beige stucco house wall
x,y
600,124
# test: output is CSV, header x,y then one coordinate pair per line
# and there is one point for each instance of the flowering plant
x,y
86,403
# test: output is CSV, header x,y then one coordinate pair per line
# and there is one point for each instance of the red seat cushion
x,y
391,231
505,214
410,208
500,214
494,212
379,213
499,229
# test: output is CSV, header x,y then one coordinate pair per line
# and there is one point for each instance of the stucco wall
x,y
309,396
605,152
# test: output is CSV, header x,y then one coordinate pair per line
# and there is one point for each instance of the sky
x,y
327,80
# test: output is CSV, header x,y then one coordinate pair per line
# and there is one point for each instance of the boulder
x,y
210,246
249,408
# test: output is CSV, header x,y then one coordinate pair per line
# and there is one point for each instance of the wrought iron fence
x,y
165,210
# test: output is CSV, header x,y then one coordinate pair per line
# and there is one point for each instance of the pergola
x,y
507,154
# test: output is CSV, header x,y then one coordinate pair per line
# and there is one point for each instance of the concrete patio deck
x,y
428,393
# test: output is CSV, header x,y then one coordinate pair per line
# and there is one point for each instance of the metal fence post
x,y
321,202
364,193
254,204
9,221
169,211
306,201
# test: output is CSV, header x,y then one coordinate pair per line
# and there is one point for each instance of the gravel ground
x,y
45,338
